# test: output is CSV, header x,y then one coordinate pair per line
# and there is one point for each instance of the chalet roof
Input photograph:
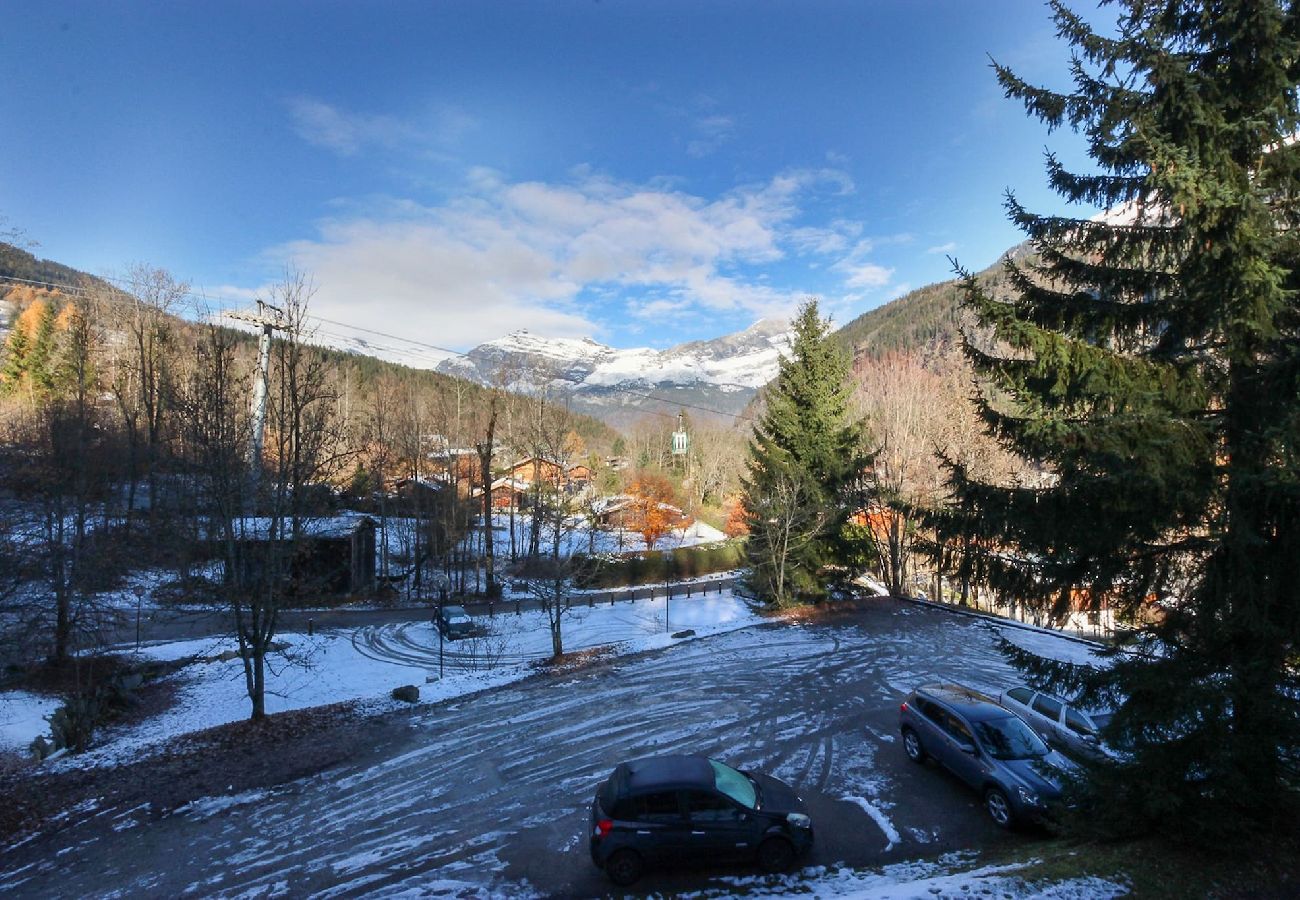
x,y
537,459
436,482
505,481
605,505
452,451
258,528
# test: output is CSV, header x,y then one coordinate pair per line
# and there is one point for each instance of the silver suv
x,y
986,746
1076,731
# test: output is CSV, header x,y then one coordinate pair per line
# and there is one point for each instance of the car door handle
x,y
643,832
701,833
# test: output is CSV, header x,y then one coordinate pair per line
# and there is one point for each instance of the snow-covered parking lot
x,y
487,794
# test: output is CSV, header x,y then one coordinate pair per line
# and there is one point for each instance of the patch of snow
x,y
207,807
332,666
921,880
876,587
891,833
1050,644
22,718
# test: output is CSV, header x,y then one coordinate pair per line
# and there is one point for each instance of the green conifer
x,y
1151,361
804,460
42,359
17,349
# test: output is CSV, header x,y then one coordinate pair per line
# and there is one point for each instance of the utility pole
x,y
268,324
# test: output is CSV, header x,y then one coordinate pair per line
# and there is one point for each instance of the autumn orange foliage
x,y
652,497
736,524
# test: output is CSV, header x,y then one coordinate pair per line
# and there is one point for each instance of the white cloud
x,y
898,290
943,248
555,257
712,132
866,275
859,272
227,294
834,238
348,133
656,310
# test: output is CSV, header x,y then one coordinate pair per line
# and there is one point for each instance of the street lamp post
x,y
668,592
139,600
443,585
442,600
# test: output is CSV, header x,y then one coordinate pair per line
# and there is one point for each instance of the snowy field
x,y
22,718
368,663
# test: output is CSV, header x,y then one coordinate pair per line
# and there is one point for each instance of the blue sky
x,y
643,173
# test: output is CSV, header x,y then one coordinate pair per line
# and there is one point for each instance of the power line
x,y
384,334
416,354
221,303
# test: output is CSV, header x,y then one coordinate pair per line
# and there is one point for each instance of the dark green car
x,y
454,622
665,810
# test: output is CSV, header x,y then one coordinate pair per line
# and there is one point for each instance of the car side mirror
x,y
967,748
1091,739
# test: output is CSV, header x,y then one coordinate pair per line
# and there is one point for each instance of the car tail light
x,y
903,708
603,828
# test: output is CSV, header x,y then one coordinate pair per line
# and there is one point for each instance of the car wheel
x,y
999,808
912,746
775,854
624,867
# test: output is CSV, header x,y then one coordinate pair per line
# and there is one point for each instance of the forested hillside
x,y
31,302
925,321
17,263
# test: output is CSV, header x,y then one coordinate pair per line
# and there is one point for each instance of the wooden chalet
x,y
332,557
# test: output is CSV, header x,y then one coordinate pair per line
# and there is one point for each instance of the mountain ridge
x,y
716,377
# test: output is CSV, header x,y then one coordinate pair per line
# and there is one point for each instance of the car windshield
x,y
734,784
1010,738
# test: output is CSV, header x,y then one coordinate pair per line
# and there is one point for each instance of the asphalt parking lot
x,y
489,795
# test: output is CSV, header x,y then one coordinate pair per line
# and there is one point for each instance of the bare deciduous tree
x,y
905,406
306,447
142,377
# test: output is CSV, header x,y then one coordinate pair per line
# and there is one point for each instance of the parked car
x,y
454,622
681,809
1064,725
985,745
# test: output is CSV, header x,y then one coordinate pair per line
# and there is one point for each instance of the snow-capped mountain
x,y
622,385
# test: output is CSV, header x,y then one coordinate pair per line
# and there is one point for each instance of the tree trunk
x,y
259,682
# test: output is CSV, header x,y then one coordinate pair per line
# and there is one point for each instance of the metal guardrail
x,y
974,613
673,590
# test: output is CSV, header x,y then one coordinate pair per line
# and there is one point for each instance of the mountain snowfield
x,y
721,375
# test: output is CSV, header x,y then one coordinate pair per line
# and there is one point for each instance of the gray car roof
x,y
972,704
678,771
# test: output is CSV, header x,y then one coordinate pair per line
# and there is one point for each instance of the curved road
x,y
488,796
122,626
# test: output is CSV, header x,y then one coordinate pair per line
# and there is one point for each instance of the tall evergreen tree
x,y
804,459
1151,360
17,350
42,359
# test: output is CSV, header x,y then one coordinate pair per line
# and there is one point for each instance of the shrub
x,y
657,565
72,725
408,693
